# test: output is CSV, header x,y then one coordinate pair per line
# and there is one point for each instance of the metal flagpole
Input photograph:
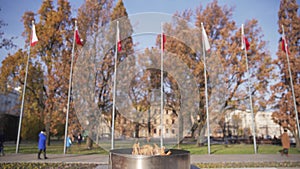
x,y
23,97
291,81
69,92
161,87
22,104
206,93
249,90
114,91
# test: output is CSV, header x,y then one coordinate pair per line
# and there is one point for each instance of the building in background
x,y
239,123
9,114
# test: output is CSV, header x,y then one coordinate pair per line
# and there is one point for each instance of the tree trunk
x,y
137,130
201,129
297,142
48,130
149,123
89,143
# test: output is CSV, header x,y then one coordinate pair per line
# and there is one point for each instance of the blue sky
x,y
265,11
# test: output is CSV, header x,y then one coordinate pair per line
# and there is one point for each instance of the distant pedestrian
x,y
79,138
42,144
1,144
285,141
68,143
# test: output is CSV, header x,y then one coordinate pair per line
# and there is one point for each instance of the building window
x,y
154,131
173,131
167,130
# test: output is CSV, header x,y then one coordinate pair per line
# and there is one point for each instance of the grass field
x,y
57,148
237,149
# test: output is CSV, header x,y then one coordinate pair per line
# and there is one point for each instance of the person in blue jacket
x,y
68,143
42,144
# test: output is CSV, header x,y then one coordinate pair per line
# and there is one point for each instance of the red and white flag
x,y
78,40
33,38
205,39
119,39
284,45
245,42
163,41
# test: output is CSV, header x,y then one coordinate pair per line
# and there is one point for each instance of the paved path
x,y
102,160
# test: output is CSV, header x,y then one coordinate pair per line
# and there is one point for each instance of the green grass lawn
x,y
236,149
54,148
57,148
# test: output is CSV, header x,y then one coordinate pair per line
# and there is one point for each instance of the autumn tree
x,y
119,14
226,64
146,88
12,75
33,117
282,97
225,37
53,51
95,64
93,17
183,41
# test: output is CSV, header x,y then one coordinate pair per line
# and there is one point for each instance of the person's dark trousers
x,y
284,151
39,154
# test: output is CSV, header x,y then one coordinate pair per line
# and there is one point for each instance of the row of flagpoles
x,y
205,47
33,41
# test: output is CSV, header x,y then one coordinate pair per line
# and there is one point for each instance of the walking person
x,y
42,144
79,138
2,144
68,143
285,141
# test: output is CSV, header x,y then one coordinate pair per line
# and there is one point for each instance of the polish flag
x,y
245,42
284,45
33,39
163,41
77,37
119,39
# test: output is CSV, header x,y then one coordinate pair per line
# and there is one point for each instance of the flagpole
x,y
23,96
69,91
206,93
249,90
22,104
162,86
291,81
114,91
